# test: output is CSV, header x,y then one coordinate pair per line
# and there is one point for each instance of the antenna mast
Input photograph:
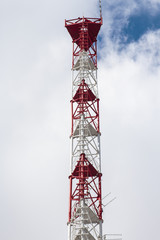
x,y
85,197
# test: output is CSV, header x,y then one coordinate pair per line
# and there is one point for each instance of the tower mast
x,y
85,197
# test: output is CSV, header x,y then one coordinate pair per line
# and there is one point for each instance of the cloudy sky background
x,y
35,90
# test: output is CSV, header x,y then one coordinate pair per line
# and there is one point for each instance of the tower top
x,y
88,26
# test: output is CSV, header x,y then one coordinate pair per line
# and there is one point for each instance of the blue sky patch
x,y
140,24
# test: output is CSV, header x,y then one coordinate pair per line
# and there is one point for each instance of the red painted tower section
x,y
84,33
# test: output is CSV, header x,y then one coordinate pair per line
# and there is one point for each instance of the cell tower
x,y
85,199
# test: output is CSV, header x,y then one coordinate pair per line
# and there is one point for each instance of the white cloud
x,y
116,14
130,107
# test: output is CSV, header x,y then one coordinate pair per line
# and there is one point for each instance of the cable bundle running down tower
x,y
85,200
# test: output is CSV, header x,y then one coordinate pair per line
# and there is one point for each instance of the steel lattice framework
x,y
85,200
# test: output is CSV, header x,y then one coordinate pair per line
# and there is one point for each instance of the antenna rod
x,y
100,8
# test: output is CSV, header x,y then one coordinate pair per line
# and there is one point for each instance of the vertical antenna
x,y
85,197
100,8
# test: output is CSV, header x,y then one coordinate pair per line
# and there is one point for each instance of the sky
x,y
35,94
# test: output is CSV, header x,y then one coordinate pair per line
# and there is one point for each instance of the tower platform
x,y
80,26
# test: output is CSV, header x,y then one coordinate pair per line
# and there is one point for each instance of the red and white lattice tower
x,y
85,200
